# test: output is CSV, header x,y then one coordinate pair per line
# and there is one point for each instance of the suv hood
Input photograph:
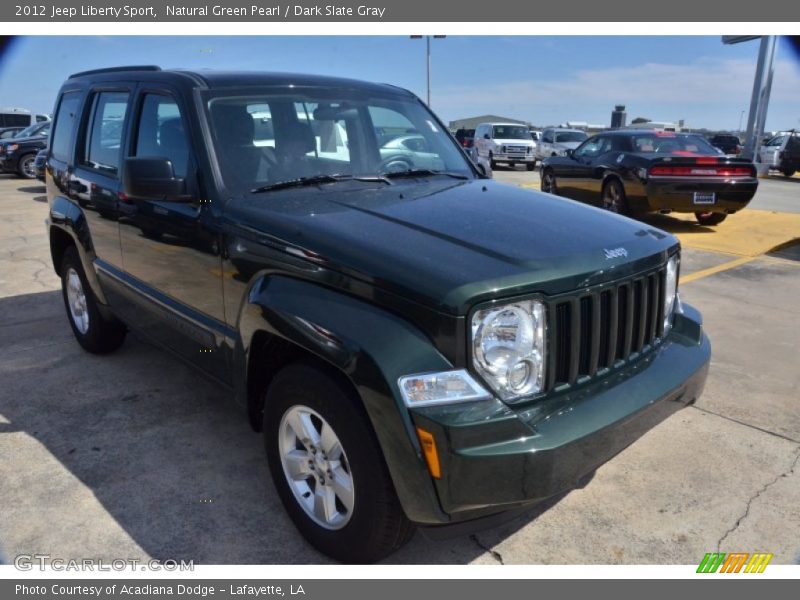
x,y
450,244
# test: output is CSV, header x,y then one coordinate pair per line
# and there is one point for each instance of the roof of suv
x,y
226,79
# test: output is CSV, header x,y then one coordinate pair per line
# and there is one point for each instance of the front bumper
x,y
513,158
8,163
494,458
677,194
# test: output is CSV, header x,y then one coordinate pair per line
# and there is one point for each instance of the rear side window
x,y
103,141
64,125
161,132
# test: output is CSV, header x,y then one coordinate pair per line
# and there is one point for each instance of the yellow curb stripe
x,y
717,269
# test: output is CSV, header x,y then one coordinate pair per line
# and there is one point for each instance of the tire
x,y
374,525
549,183
95,332
25,167
613,197
492,162
788,172
710,218
531,166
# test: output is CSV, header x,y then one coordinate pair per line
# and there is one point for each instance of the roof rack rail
x,y
116,69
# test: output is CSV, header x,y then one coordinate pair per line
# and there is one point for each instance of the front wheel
x,y
710,218
97,333
788,172
328,467
26,168
531,166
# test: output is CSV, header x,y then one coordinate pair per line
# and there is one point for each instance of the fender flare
x,y
369,346
68,217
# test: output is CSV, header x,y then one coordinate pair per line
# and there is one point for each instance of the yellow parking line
x,y
717,269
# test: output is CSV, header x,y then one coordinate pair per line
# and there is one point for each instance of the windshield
x,y
261,139
511,132
570,136
673,144
35,129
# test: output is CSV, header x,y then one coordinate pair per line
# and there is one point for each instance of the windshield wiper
x,y
422,173
317,179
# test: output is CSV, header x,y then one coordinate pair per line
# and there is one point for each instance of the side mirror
x,y
570,153
486,136
152,178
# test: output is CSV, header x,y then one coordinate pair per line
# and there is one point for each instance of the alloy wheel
x,y
612,198
316,467
76,297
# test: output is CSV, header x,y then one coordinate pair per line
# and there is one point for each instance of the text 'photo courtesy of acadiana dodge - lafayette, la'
x,y
215,10
147,589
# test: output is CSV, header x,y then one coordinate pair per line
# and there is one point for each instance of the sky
x,y
544,80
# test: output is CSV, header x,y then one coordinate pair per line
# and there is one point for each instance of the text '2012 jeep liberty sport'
x,y
419,344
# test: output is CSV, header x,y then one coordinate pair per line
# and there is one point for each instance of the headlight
x,y
508,348
12,147
670,292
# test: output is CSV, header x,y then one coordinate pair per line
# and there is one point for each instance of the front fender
x,y
372,348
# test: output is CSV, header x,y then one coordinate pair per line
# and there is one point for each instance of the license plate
x,y
705,197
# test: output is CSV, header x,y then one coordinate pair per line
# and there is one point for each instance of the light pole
x,y
741,116
428,57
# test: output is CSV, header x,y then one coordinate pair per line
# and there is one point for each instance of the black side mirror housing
x,y
486,136
152,178
570,153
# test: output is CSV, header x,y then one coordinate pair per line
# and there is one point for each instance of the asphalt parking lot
x,y
132,456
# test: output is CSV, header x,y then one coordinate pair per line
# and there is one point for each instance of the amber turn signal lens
x,y
429,450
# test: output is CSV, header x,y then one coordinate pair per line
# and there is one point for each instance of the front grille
x,y
598,329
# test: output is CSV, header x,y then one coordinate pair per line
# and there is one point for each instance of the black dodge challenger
x,y
634,171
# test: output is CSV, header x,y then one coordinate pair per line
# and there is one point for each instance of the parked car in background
x,y
39,164
6,133
411,151
20,117
412,344
508,143
465,137
557,140
727,143
536,135
17,154
782,153
636,171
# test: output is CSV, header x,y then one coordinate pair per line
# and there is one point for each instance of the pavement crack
x,y
494,554
751,426
753,498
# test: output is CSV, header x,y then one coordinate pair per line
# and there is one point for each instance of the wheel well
x,y
268,355
60,240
